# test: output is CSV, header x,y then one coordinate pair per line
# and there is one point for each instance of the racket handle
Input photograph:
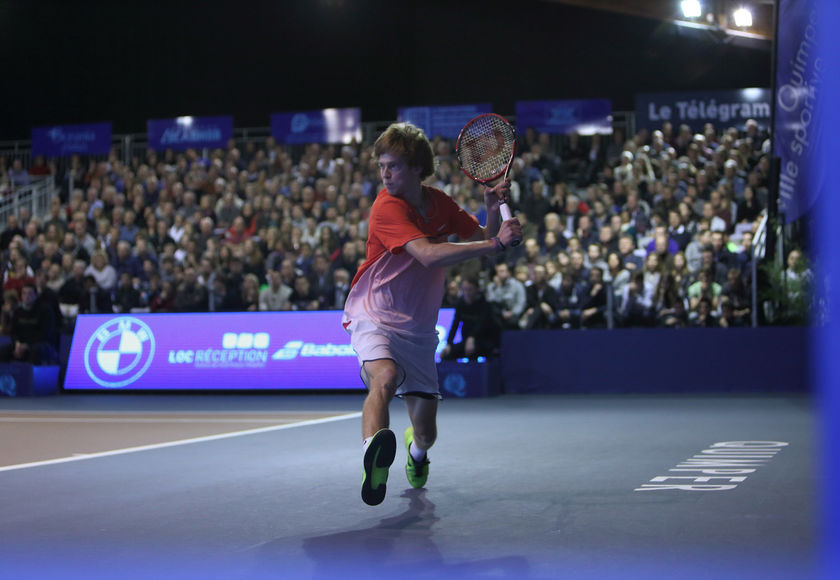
x,y
504,209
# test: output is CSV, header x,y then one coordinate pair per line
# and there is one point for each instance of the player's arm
x,y
431,254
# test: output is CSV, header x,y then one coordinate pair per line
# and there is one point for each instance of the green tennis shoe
x,y
417,472
378,458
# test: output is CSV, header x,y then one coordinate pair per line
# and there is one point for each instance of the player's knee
x,y
387,390
385,383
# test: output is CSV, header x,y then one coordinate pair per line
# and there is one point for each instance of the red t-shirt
x,y
391,288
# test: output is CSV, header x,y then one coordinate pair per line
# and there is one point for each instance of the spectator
x,y
125,262
540,299
101,271
235,278
616,274
702,316
95,300
570,300
190,296
303,298
12,229
341,286
250,293
17,174
218,298
321,280
669,305
475,317
126,296
164,301
11,300
29,331
631,258
594,307
276,296
634,307
705,288
508,295
18,276
797,276
74,288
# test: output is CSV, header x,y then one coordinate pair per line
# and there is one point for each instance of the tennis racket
x,y
485,150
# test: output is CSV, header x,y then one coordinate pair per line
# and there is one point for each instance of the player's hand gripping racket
x,y
485,150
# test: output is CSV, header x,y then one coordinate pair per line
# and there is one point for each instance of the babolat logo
x,y
239,349
296,348
119,352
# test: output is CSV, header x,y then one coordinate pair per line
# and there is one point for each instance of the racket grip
x,y
504,209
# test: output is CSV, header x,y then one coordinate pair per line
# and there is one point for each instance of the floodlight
x,y
743,18
691,8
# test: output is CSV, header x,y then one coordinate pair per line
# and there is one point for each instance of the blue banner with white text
x,y
66,140
797,128
585,117
212,351
729,108
331,126
442,121
182,133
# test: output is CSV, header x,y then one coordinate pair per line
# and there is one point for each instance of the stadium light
x,y
691,8
742,17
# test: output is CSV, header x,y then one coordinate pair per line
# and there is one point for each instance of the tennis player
x,y
392,307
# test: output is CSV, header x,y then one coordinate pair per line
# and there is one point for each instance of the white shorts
x,y
413,355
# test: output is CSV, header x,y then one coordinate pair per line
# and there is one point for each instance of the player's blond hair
x,y
409,142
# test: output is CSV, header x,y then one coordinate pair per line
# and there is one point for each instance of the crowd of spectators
x,y
651,230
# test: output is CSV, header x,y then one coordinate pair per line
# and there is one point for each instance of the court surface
x,y
267,486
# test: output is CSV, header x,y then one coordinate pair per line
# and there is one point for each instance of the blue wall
x,y
696,360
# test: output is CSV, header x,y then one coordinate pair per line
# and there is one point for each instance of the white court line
x,y
132,420
81,457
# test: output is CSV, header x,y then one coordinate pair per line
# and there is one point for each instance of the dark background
x,y
125,61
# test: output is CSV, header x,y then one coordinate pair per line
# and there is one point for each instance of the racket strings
x,y
485,149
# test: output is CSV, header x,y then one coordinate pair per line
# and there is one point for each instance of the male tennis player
x,y
392,307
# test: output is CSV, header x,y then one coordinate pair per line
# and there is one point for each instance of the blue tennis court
x,y
521,486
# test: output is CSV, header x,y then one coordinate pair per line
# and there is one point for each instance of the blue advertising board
x,y
729,108
65,140
334,126
585,117
442,121
798,126
221,351
182,133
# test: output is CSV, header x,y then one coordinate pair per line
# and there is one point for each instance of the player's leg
x,y
420,437
423,414
381,377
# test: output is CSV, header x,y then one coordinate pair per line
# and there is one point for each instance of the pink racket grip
x,y
504,209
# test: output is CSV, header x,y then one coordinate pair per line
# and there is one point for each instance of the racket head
x,y
485,147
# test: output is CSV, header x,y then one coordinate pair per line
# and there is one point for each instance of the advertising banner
x,y
66,140
585,117
332,126
798,127
182,133
443,121
723,109
222,351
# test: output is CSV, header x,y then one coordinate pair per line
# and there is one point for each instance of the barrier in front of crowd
x,y
216,351
35,197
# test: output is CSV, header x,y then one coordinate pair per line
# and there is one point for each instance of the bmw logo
x,y
119,352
